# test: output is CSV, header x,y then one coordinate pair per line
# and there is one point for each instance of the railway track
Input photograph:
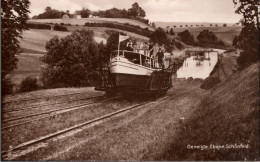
x,y
25,145
40,98
49,104
42,115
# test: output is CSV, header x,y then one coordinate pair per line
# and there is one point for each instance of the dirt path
x,y
142,134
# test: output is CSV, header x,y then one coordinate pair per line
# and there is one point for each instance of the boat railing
x,y
148,62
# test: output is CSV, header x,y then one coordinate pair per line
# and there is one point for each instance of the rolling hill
x,y
226,34
82,21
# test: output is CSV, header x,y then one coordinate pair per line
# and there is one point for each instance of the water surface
x,y
198,69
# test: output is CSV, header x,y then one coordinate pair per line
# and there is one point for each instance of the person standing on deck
x,y
155,50
160,56
150,49
146,48
129,48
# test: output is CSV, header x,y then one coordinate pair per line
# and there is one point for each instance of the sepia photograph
x,y
131,80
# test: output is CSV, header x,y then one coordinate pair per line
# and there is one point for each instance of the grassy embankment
x,y
228,116
226,66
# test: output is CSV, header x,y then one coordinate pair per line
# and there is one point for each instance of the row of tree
x,y
135,12
205,38
50,13
224,25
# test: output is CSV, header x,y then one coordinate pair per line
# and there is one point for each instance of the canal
x,y
198,68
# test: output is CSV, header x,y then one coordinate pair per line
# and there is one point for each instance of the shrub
x,y
29,84
60,28
178,45
210,82
186,37
190,79
126,27
7,86
38,26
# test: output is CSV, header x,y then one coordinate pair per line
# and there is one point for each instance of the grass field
x,y
29,65
93,20
35,39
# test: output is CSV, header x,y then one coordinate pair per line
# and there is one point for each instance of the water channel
x,y
198,68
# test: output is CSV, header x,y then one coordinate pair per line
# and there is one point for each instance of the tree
x,y
248,39
71,61
136,11
153,25
208,39
181,26
224,25
210,25
14,15
112,42
186,37
174,26
47,9
235,40
172,32
159,36
50,14
85,13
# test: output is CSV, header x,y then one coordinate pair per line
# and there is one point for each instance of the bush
x,y
60,28
186,37
38,26
7,86
208,39
210,82
29,84
126,27
178,45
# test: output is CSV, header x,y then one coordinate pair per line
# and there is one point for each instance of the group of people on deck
x,y
149,49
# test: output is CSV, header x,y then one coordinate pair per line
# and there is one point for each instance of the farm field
x,y
35,39
29,65
82,21
226,34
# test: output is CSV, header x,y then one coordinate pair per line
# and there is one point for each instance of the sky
x,y
219,11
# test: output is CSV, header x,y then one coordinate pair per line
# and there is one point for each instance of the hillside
x,y
82,21
229,116
226,34
35,39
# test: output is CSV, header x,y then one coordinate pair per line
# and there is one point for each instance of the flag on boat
x,y
122,38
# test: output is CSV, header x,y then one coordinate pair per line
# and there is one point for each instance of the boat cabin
x,y
140,57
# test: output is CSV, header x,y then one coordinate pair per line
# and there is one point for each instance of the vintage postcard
x,y
132,80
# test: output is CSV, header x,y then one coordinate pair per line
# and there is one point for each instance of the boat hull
x,y
130,80
128,74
